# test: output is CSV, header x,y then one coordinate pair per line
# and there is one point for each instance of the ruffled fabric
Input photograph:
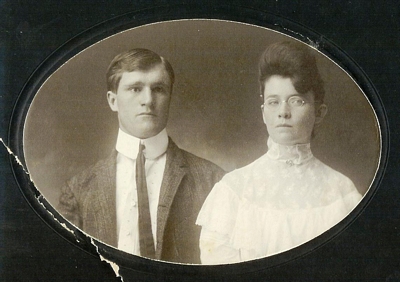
x,y
274,204
266,231
218,210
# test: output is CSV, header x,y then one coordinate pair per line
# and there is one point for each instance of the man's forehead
x,y
157,74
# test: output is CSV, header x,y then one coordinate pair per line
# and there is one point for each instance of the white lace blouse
x,y
281,200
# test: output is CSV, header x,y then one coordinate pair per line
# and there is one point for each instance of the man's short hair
x,y
134,60
295,61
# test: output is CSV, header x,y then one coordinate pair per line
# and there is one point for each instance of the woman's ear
x,y
262,108
262,114
112,101
320,113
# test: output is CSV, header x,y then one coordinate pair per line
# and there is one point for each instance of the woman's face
x,y
289,122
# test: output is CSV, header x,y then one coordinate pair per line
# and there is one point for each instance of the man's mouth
x,y
147,114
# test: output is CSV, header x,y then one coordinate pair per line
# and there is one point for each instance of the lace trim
x,y
291,155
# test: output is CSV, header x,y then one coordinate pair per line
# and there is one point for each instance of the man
x,y
143,199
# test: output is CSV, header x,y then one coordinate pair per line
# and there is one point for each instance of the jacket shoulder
x,y
200,163
84,177
76,189
201,169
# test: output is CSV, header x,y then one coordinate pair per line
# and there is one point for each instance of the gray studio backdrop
x,y
215,109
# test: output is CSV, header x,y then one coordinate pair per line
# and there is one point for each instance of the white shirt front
x,y
126,193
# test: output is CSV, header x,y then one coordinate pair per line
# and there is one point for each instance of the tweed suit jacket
x,y
88,201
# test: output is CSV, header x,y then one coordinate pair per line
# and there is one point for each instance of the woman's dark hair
x,y
295,61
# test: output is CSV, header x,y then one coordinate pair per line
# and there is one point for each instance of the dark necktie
x,y
145,233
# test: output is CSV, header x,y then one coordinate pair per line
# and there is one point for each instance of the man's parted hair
x,y
134,60
295,61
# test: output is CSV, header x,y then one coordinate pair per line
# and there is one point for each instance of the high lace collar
x,y
291,154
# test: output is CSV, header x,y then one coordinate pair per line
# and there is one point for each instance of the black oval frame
x,y
178,12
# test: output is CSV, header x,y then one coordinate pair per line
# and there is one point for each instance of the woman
x,y
287,196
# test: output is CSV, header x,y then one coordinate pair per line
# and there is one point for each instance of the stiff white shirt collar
x,y
128,145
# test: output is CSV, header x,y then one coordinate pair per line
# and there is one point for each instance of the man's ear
x,y
320,113
112,101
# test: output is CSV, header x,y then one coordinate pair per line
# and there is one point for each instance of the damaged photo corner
x,y
217,127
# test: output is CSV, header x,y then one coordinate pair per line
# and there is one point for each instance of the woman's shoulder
x,y
220,208
238,179
331,173
339,183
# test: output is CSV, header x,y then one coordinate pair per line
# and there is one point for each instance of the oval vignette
x,y
214,111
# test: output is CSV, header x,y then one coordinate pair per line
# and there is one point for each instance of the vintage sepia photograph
x,y
203,142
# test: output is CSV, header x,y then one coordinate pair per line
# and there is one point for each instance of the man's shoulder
x,y
101,168
196,163
195,160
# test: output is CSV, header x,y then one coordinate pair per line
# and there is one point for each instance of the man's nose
x,y
284,110
146,97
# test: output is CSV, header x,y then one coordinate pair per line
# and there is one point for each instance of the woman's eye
x,y
296,101
272,102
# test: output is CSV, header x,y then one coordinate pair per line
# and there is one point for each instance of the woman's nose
x,y
284,110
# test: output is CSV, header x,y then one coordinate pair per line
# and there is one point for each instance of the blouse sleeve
x,y
216,249
217,219
352,198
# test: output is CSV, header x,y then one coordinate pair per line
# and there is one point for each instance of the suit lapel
x,y
175,169
103,202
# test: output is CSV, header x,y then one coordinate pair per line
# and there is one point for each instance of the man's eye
x,y
159,89
135,89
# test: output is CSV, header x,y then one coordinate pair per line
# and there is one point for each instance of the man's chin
x,y
146,133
